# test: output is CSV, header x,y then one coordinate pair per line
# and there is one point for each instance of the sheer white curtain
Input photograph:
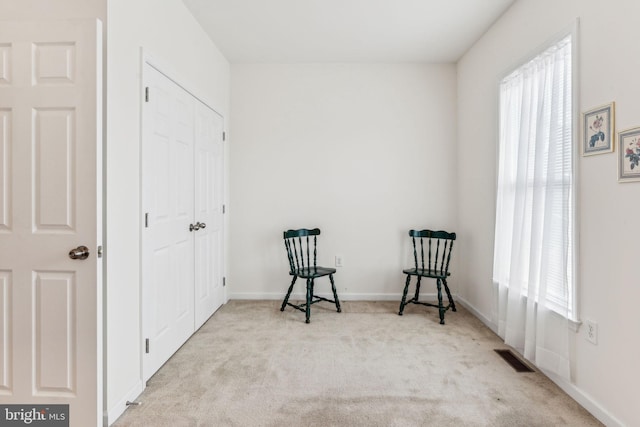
x,y
534,212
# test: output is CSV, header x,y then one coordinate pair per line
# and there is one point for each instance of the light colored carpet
x,y
252,365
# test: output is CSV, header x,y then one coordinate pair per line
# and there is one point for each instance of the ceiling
x,y
292,31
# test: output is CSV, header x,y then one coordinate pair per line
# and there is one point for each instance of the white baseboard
x,y
484,319
255,295
112,414
576,394
343,296
585,401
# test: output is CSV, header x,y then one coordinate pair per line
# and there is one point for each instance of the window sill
x,y
574,325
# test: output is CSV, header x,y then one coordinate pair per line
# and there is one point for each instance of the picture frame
x,y
629,155
598,130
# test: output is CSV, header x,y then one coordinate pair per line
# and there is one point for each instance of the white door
x,y
167,203
182,201
50,203
209,240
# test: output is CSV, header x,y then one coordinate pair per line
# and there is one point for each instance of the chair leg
x,y
441,308
446,288
286,298
404,294
417,295
309,297
335,294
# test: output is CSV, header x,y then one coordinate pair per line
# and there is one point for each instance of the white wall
x,y
606,375
365,152
167,31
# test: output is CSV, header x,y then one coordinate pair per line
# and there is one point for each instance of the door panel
x,y
167,201
55,345
5,167
50,203
209,181
6,353
181,199
53,156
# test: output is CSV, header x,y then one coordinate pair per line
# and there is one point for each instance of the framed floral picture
x,y
598,130
629,155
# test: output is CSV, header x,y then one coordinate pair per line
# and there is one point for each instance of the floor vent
x,y
513,360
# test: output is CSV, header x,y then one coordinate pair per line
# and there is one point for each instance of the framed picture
x,y
598,130
629,155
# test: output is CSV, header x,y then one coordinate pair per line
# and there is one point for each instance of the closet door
x,y
209,185
182,230
168,211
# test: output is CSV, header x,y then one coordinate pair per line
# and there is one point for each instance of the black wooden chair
x,y
438,245
299,247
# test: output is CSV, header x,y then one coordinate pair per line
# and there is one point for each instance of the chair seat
x,y
425,273
312,272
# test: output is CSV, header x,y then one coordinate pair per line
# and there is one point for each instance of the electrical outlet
x,y
592,331
339,260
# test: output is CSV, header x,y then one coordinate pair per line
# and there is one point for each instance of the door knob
x,y
197,226
81,252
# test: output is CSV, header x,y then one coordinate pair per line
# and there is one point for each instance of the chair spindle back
x,y
440,242
299,248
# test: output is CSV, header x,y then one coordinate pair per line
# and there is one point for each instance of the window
x,y
535,209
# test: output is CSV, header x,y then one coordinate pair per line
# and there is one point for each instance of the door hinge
x,y
146,345
146,94
224,136
146,220
224,209
224,282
